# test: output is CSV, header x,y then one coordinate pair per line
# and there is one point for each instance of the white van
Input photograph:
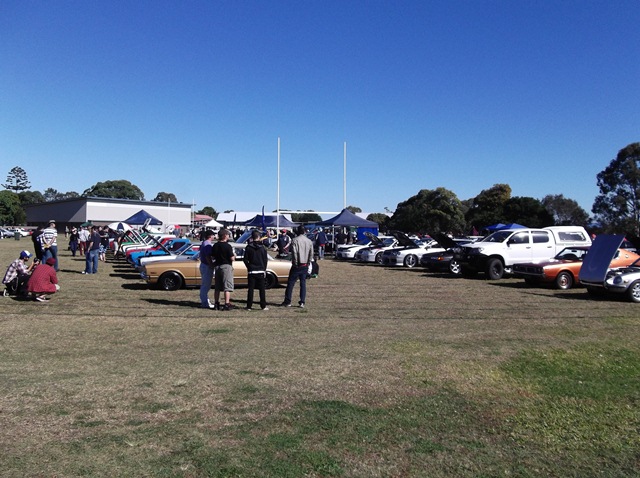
x,y
496,253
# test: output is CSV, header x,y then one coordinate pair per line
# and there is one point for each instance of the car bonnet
x,y
596,263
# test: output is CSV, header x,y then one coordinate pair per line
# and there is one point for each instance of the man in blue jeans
x,y
93,252
302,255
206,270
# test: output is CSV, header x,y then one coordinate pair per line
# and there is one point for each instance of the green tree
x,y
31,197
431,211
209,211
51,194
565,211
354,209
165,197
17,180
120,189
306,217
488,207
11,211
378,217
617,207
526,211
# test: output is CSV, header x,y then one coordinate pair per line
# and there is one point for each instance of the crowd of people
x,y
39,280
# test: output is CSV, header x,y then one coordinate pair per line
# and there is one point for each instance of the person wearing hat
x,y
283,243
49,241
74,240
43,280
17,275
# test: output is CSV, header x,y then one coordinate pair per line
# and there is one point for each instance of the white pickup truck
x,y
497,253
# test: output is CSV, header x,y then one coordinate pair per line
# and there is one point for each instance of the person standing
x,y
83,240
37,243
223,256
283,243
93,252
255,258
321,242
301,257
74,239
206,270
49,241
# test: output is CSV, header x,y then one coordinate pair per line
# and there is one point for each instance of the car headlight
x,y
476,250
617,280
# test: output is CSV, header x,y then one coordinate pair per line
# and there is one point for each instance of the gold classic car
x,y
173,275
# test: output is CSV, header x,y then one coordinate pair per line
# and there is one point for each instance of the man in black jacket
x,y
255,258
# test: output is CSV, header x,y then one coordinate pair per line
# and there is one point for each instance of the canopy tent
x,y
213,224
141,217
347,218
270,220
500,226
119,226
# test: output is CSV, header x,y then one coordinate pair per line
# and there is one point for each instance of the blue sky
x,y
189,97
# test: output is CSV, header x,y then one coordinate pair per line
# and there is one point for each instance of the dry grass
x,y
388,372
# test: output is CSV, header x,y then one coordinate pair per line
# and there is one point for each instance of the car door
x,y
520,247
542,246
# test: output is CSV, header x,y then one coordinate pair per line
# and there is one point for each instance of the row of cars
x,y
168,263
6,232
559,256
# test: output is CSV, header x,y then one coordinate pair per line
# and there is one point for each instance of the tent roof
x,y
140,217
347,218
270,221
212,223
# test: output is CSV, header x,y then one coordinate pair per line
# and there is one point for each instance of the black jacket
x,y
255,257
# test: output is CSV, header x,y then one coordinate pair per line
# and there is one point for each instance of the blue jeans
x,y
206,273
51,251
92,262
297,272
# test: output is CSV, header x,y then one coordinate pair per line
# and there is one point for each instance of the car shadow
x,y
125,276
137,286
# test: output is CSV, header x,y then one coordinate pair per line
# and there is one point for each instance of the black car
x,y
444,261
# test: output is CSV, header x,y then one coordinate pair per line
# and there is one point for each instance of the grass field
x,y
387,373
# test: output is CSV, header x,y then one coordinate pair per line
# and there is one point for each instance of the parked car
x,y
348,251
563,270
19,230
5,233
408,251
599,279
187,250
447,260
161,249
373,253
496,254
173,275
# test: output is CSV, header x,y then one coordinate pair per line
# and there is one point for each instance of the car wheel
x,y
270,281
379,257
633,292
170,281
454,267
410,261
564,281
495,269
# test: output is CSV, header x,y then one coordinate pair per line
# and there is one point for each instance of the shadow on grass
x,y
192,304
136,286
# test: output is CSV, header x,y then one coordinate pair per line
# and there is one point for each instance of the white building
x,y
102,211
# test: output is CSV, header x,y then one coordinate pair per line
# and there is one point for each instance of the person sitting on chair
x,y
17,275
44,280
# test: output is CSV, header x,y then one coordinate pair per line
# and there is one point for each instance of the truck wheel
x,y
410,261
495,269
633,292
170,281
564,281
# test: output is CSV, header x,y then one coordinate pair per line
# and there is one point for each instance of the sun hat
x,y
25,255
